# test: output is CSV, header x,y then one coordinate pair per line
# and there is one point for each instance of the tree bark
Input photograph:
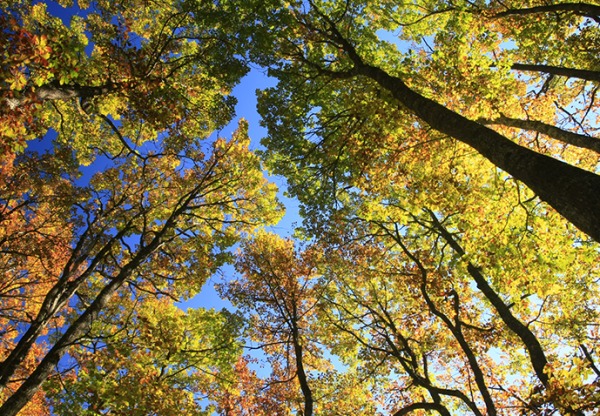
x,y
56,92
423,406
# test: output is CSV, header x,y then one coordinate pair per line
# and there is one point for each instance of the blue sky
x,y
245,92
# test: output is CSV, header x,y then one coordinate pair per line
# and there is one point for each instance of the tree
x,y
280,293
420,320
444,267
152,359
155,227
274,292
155,220
246,393
35,240
374,123
151,73
331,51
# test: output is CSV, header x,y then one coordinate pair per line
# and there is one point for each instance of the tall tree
x,y
326,51
440,274
280,293
378,118
154,227
150,72
148,358
445,335
135,91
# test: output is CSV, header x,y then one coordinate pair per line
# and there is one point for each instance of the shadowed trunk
x,y
573,192
13,405
423,406
536,353
302,378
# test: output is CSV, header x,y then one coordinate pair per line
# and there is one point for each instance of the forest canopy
x,y
445,157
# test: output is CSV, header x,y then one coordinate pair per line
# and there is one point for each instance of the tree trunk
x,y
573,192
54,301
437,407
536,353
302,377
26,391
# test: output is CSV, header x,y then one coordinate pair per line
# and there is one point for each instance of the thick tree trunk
x,y
573,192
568,137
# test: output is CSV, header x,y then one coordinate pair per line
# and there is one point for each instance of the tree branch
x,y
584,74
568,137
582,9
441,409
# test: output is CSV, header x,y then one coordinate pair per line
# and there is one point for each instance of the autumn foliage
x,y
444,155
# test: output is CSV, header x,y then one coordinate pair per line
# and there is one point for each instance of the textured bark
x,y
568,137
56,92
585,74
